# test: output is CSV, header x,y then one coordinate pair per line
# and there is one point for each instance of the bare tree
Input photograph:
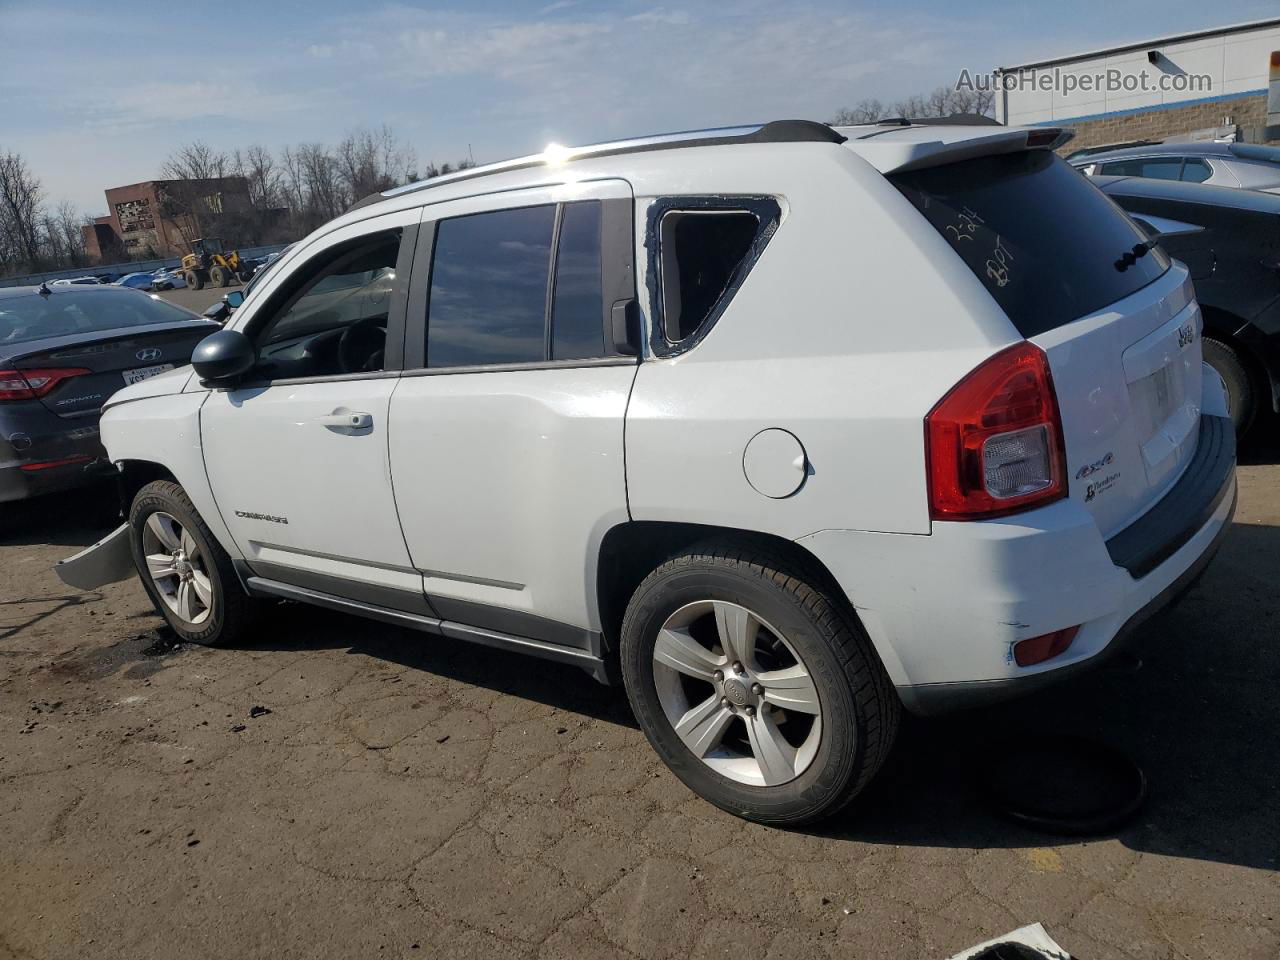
x,y
187,199
942,102
260,171
445,168
195,161
371,161
864,111
68,222
20,214
313,181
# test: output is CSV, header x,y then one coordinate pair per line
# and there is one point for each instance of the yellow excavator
x,y
208,263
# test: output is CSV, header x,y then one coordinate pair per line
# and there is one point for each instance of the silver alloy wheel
x,y
737,693
177,567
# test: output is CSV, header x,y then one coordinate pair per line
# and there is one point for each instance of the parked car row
x,y
164,278
786,428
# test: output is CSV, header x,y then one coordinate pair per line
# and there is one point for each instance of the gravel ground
x,y
342,789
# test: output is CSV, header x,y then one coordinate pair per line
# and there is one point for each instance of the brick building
x,y
1201,85
160,217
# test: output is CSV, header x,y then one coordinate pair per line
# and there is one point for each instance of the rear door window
x,y
577,328
522,285
1046,243
1152,168
488,299
1196,171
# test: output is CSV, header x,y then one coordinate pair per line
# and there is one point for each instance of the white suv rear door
x,y
506,430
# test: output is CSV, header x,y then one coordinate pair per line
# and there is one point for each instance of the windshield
x,y
1048,245
34,317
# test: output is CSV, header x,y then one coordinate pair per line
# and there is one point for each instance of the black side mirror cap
x,y
223,357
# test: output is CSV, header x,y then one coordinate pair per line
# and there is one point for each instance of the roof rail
x,y
956,119
777,131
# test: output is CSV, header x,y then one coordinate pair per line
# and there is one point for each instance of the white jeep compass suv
x,y
786,427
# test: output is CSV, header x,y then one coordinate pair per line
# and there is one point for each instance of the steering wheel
x,y
362,344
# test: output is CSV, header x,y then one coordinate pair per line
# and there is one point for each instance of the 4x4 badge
x,y
1090,469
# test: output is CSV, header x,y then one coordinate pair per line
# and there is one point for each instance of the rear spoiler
x,y
898,149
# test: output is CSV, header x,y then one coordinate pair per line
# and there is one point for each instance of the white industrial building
x,y
1180,85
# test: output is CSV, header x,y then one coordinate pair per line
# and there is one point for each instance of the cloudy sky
x,y
97,95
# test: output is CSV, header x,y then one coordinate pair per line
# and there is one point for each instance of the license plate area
x,y
1164,397
142,373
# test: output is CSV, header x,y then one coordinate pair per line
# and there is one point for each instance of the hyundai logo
x,y
150,353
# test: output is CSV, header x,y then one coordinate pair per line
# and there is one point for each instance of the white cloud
x,y
661,15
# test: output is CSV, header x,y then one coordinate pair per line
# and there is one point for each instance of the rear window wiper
x,y
1130,257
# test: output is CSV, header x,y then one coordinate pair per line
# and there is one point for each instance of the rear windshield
x,y
1048,245
34,317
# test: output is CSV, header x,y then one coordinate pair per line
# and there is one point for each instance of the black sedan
x,y
1230,241
63,352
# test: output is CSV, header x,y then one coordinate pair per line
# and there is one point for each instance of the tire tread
x,y
877,701
238,609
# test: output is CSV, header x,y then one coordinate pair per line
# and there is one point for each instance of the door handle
x,y
349,419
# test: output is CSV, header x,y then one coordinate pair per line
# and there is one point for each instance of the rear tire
x,y
1241,396
194,280
742,747
185,571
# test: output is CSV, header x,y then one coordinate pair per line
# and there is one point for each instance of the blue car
x,y
137,281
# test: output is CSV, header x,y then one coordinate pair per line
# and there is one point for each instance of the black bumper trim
x,y
1164,529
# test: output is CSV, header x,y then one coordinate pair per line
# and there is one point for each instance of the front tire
x,y
760,691
1241,397
185,571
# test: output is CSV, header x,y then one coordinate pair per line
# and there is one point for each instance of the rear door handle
x,y
349,419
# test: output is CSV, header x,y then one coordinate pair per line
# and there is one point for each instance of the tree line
x,y
942,102
34,236
291,192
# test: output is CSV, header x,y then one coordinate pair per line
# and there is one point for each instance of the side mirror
x,y
234,298
223,357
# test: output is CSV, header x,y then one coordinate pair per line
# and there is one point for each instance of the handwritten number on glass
x,y
966,225
999,263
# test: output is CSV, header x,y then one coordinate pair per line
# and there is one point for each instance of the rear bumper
x,y
43,453
946,631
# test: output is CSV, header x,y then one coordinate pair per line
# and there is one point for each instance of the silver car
x,y
1248,165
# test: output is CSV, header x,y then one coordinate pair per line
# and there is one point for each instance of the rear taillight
x,y
994,443
29,384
